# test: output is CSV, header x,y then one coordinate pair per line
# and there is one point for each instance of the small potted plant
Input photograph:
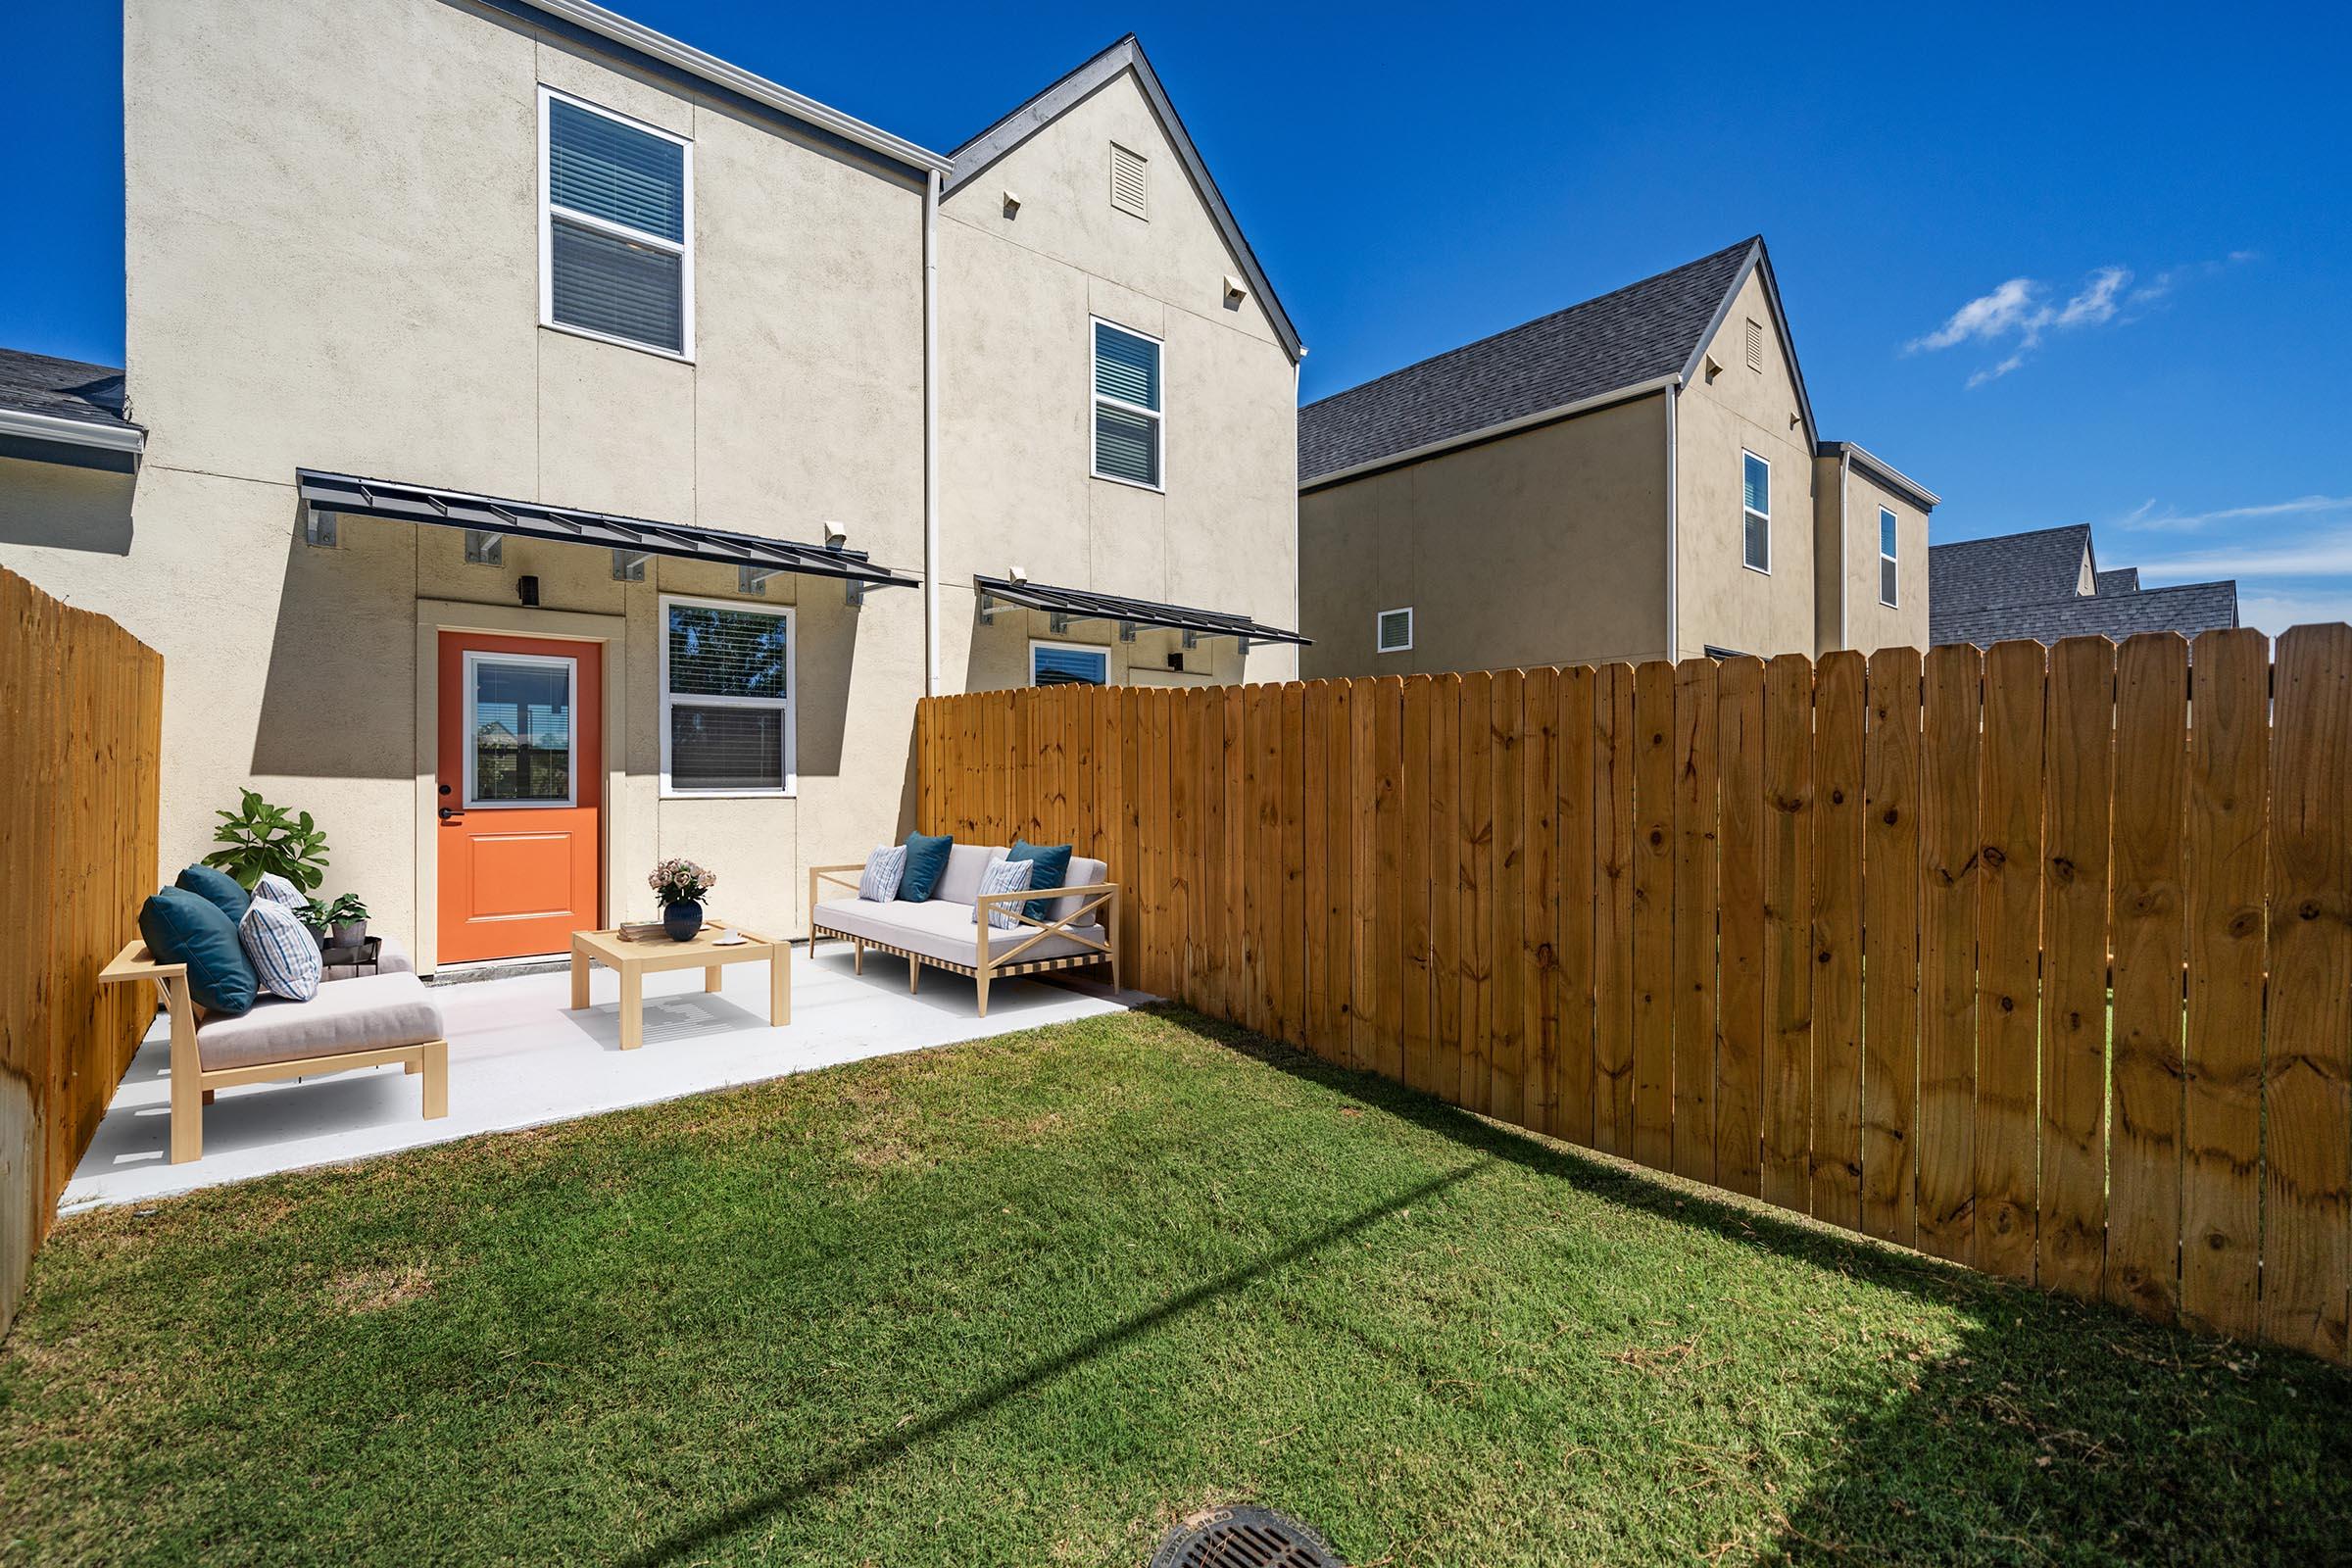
x,y
680,885
346,920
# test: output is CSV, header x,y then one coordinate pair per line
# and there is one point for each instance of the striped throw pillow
x,y
284,956
277,890
1004,876
883,871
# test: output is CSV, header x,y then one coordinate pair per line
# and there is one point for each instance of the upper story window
x,y
617,226
1887,582
1755,523
1068,664
1127,413
726,698
1130,174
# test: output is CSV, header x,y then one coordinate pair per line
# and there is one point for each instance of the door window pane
x,y
519,729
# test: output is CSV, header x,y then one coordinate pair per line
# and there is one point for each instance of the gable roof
x,y
2188,609
2121,580
976,156
2013,569
1632,337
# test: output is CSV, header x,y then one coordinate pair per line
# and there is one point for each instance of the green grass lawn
x,y
1028,1301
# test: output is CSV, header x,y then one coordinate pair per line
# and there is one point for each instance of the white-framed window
x,y
1128,418
1069,663
1393,630
1887,593
727,712
1755,512
616,227
518,709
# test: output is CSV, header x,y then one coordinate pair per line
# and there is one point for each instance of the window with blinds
x,y
1129,180
1127,410
1886,563
1068,664
1755,523
617,256
726,699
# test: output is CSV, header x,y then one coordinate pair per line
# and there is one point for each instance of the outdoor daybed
x,y
941,931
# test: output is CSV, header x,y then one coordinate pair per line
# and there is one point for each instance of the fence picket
x,y
2009,937
1787,1110
1951,753
1837,794
2073,1222
2228,783
1739,1000
1653,915
2307,1187
1890,948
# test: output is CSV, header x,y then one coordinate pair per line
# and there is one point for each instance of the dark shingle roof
x,y
2121,580
2015,568
2188,609
1637,333
63,389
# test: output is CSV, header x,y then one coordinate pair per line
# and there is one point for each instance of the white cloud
x,y
2322,553
2022,310
2147,516
2275,613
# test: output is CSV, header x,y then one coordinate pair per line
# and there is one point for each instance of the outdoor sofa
x,y
355,1020
942,930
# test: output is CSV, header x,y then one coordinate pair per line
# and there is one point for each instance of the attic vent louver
x,y
1127,179
1755,344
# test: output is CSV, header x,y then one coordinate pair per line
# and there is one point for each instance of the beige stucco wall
x,y
1545,547
1847,499
1016,411
347,279
1721,602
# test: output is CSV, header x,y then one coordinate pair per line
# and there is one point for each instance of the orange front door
x,y
521,789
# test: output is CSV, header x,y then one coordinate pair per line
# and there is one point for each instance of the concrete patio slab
x,y
518,1058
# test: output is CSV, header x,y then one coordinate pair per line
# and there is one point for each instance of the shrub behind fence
x,y
2040,960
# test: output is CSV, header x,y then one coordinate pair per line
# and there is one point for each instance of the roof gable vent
x,y
1128,172
1755,344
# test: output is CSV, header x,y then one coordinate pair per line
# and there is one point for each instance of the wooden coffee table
x,y
634,960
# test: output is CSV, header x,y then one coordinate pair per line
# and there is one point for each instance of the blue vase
x,y
681,920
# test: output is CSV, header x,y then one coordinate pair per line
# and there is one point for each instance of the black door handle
x,y
447,812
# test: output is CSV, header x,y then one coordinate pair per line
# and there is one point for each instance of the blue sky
x,y
2059,268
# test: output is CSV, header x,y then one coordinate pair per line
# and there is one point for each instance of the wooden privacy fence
x,y
2040,960
81,733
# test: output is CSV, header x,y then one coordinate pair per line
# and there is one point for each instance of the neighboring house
x,y
1634,478
2047,585
581,374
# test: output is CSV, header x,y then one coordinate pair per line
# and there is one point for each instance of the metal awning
x,y
1077,604
528,520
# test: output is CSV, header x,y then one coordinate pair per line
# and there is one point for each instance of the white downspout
x,y
931,436
1846,591
1673,395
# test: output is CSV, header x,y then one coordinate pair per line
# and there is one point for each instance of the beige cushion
x,y
939,928
960,880
1083,873
369,1013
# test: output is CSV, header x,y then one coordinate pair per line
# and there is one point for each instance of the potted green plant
x,y
680,885
259,837
346,920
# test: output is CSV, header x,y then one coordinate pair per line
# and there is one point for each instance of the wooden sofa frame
x,y
192,1086
991,966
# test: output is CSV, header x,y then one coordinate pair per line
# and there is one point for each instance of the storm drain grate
x,y
1242,1537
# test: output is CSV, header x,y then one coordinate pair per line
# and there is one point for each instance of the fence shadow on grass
x,y
2057,1430
695,1538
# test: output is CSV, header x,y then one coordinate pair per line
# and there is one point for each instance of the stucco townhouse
x,y
544,447
1636,477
